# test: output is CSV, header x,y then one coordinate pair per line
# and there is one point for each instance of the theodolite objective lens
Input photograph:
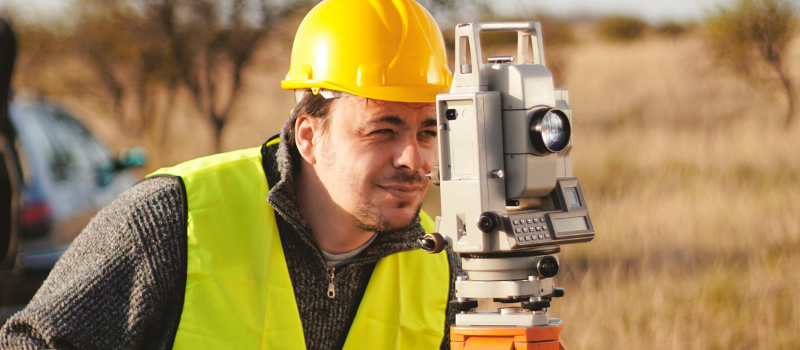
x,y
553,132
550,131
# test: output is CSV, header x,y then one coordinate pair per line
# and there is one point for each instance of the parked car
x,y
68,175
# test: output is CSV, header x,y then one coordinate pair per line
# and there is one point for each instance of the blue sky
x,y
655,11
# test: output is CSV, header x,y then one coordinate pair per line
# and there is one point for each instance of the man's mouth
x,y
403,192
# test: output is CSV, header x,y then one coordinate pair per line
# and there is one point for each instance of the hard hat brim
x,y
414,94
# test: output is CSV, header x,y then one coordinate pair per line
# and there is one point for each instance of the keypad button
x,y
529,221
544,227
520,238
518,230
527,238
535,220
516,222
538,228
541,237
524,229
547,236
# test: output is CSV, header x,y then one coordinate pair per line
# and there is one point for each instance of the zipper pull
x,y
331,290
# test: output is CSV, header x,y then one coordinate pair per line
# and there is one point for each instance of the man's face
x,y
373,158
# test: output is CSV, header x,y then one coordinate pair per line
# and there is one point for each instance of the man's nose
x,y
410,156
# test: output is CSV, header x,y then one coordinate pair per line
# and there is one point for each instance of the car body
x,y
68,175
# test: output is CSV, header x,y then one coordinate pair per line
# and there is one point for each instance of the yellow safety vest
x,y
238,292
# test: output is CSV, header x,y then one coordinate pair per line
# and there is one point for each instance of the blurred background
x,y
685,125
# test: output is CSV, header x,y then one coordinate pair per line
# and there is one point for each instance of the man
x,y
308,241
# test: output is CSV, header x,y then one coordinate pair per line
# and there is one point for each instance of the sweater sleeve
x,y
120,285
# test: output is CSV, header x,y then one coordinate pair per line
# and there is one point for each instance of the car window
x,y
38,147
72,131
61,160
63,146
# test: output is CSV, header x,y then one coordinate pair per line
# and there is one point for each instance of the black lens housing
x,y
547,267
536,130
488,222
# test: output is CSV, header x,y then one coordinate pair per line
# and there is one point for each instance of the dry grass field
x,y
692,182
693,185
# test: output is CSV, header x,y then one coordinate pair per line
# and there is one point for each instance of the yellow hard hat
x,y
383,49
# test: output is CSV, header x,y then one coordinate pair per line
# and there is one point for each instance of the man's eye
x,y
382,131
429,133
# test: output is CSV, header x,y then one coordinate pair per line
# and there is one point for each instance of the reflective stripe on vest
x,y
238,291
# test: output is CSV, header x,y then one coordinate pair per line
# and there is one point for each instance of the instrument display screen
x,y
570,224
571,195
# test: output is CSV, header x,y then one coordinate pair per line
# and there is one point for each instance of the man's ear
x,y
304,129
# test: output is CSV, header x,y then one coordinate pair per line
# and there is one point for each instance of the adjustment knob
x,y
433,242
536,305
434,176
464,305
547,267
558,292
488,221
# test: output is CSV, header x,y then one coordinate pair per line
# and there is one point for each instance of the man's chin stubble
x,y
369,218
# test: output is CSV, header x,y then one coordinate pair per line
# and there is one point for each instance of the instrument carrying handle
x,y
529,35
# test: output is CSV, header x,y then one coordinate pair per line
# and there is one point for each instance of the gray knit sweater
x,y
121,283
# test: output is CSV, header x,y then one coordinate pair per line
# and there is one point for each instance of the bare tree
x,y
203,46
144,52
212,46
751,37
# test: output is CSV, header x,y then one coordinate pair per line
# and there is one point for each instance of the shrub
x,y
751,38
621,28
557,32
672,29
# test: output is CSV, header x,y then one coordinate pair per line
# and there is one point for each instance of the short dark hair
x,y
317,107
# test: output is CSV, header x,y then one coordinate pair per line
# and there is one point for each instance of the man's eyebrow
x,y
391,120
428,123
399,122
